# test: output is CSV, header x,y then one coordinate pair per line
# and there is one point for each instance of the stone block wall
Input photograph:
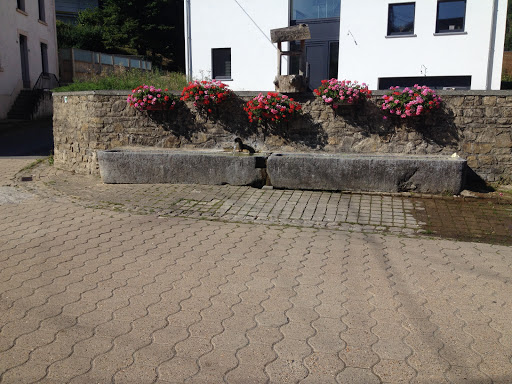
x,y
474,124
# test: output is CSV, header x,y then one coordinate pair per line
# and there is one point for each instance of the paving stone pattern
x,y
91,295
487,220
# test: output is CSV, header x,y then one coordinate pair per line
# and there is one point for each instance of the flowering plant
x,y
147,97
334,92
414,101
206,94
271,107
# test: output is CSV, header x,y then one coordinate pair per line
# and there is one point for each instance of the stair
x,y
24,104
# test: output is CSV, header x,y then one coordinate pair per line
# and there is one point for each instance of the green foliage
x,y
508,30
151,28
85,34
128,80
507,77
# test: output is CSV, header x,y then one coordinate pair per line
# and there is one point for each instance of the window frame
x,y
302,20
400,34
448,31
226,77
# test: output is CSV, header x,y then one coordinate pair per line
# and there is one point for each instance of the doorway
x,y
25,75
322,58
322,50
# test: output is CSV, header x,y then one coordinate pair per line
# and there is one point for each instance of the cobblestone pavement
x,y
94,295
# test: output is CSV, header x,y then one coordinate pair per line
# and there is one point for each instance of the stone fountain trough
x,y
367,172
312,171
156,166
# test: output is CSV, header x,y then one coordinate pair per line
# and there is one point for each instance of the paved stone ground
x,y
470,219
95,295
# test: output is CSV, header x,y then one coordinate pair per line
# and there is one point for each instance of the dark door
x,y
321,50
24,62
316,56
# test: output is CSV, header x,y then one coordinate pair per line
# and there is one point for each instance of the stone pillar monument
x,y
298,82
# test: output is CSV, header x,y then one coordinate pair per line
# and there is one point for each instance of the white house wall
x,y
367,54
224,24
13,23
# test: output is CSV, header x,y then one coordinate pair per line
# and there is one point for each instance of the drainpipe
x,y
188,33
492,45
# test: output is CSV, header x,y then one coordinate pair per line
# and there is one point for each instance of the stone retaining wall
x,y
475,124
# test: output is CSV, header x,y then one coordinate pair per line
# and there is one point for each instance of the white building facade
x,y
440,43
28,46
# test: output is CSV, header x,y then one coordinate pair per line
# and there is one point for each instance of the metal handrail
x,y
46,81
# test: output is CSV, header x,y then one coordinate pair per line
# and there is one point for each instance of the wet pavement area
x,y
485,218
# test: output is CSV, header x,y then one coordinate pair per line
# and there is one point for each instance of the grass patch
x,y
174,81
31,165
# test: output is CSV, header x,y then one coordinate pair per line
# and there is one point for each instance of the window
x,y
42,16
450,16
44,57
401,19
434,82
334,51
21,5
314,9
221,63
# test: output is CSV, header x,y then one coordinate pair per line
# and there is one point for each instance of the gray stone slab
x,y
295,32
133,166
360,172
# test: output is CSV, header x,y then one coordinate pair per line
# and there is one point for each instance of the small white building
x,y
28,47
440,43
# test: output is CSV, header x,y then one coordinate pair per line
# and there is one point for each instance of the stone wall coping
x,y
255,93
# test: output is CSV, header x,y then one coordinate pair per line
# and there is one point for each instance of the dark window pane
x,y
434,82
450,16
334,49
401,19
314,9
221,60
21,4
42,16
44,57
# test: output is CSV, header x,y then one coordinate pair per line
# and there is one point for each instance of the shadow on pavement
x,y
26,138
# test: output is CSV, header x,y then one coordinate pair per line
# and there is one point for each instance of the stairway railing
x,y
46,81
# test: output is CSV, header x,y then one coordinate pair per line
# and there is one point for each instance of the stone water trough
x,y
157,166
313,171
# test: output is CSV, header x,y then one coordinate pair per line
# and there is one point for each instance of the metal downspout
x,y
188,33
492,45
